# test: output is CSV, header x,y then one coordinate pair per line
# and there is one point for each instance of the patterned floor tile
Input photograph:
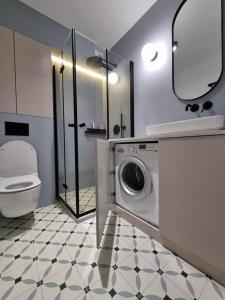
x,y
42,235
47,255
4,232
92,267
18,280
137,271
6,262
161,255
112,286
115,249
185,276
66,284
52,261
67,227
40,224
19,234
163,289
19,248
213,290
87,199
32,294
5,221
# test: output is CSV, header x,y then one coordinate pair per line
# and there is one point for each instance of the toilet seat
x,y
18,183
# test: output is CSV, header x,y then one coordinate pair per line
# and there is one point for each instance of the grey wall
x,y
41,137
119,96
21,18
155,101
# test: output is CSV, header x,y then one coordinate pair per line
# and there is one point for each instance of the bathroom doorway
x,y
83,110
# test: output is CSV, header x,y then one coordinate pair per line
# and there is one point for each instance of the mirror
x,y
197,48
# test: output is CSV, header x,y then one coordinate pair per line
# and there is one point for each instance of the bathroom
x,y
74,115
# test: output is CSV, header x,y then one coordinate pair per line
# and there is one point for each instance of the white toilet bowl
x,y
19,182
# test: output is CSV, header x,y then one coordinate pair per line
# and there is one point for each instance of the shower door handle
x,y
71,125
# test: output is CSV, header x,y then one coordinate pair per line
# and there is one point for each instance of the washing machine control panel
x,y
148,147
137,148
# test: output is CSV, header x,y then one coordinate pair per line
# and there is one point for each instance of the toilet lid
x,y
17,158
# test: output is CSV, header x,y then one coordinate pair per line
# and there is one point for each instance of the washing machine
x,y
137,179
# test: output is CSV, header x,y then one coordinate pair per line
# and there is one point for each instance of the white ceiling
x,y
104,21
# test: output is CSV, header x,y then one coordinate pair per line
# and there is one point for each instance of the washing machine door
x,y
134,178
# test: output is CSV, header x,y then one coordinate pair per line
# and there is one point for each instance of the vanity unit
x,y
191,196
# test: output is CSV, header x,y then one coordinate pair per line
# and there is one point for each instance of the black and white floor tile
x,y
87,199
46,255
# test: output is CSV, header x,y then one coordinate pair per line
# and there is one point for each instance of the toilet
x,y
19,182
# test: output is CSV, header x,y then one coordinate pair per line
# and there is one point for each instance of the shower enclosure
x,y
84,112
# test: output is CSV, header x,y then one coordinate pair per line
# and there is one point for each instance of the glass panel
x,y
70,195
119,97
91,113
133,177
60,129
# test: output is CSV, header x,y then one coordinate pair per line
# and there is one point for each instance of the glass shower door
x,y
66,128
92,115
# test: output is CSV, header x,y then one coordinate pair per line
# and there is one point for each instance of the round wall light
x,y
113,78
149,53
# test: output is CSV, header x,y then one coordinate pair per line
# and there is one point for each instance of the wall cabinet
x,y
33,77
7,72
25,75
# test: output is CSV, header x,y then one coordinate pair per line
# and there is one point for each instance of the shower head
x,y
94,62
97,62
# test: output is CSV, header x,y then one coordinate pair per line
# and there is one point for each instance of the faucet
x,y
193,107
206,105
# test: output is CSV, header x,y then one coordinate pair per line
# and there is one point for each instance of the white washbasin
x,y
185,126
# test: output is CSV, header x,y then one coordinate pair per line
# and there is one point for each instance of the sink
x,y
185,126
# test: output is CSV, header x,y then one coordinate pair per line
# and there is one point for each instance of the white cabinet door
x,y
33,77
7,72
192,200
103,195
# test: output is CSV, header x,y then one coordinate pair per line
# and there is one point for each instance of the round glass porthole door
x,y
132,177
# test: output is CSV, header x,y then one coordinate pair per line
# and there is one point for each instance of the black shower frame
x,y
77,214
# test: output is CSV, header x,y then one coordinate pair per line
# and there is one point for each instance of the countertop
x,y
166,136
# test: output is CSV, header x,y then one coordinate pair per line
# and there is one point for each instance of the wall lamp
x,y
154,56
149,53
113,78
